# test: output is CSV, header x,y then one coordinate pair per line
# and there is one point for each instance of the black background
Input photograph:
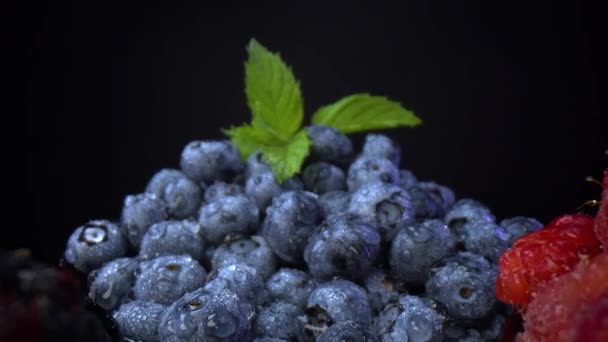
x,y
512,98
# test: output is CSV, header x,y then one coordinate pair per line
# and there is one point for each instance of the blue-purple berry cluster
x,y
353,248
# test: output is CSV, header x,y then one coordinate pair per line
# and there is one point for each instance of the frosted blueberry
x,y
139,212
139,320
180,194
166,278
207,161
228,215
112,283
173,238
94,244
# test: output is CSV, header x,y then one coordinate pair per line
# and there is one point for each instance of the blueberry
x,y
381,288
228,215
166,278
407,179
518,226
381,146
367,169
207,316
417,247
256,164
241,279
220,189
328,144
94,244
280,320
322,177
334,202
293,184
253,251
139,212
465,210
139,320
442,195
425,207
484,238
180,194
207,161
290,285
111,285
347,331
344,245
386,204
289,222
464,284
173,238
411,318
338,301
262,187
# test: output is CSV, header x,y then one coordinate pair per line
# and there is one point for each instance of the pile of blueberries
x,y
351,249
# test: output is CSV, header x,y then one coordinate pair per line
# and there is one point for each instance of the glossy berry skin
x,y
280,320
466,210
173,238
139,212
208,161
207,316
518,226
543,255
139,320
334,202
484,238
290,285
180,194
381,146
220,189
94,244
166,278
347,331
262,187
289,223
345,246
417,247
411,318
340,300
366,169
228,215
464,285
328,144
241,279
112,283
256,164
386,204
253,251
322,177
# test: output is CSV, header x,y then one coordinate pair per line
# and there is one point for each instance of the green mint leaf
x,y
286,159
364,112
249,139
273,93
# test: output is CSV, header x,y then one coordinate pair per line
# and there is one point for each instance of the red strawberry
x,y
543,255
601,219
571,307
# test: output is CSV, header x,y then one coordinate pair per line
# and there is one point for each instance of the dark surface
x,y
511,97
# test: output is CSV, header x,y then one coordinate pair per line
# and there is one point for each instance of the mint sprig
x,y
275,100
